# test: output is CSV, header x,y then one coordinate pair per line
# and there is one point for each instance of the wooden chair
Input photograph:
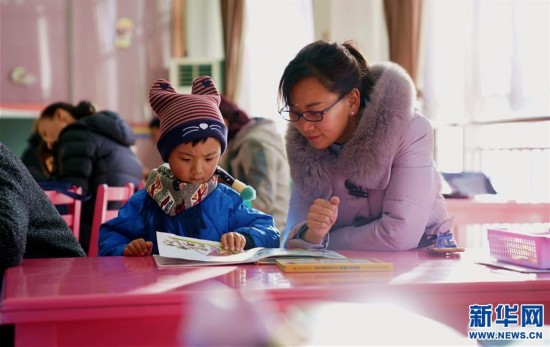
x,y
70,206
102,213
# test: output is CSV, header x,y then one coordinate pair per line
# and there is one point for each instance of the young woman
x,y
90,148
361,156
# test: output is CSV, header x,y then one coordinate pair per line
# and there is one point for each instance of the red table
x,y
114,301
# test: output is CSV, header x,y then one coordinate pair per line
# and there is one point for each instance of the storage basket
x,y
525,249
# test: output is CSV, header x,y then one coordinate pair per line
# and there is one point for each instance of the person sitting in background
x,y
90,148
154,128
183,197
361,156
255,154
30,226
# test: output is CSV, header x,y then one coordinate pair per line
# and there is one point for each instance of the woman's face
x,y
49,129
337,125
195,164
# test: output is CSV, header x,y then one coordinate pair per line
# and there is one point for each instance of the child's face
x,y
195,164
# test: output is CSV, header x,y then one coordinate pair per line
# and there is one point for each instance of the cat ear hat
x,y
187,117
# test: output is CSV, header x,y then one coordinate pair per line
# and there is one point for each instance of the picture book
x,y
187,251
332,265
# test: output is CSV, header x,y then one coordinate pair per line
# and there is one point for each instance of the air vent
x,y
183,71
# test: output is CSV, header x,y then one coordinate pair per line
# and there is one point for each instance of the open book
x,y
187,251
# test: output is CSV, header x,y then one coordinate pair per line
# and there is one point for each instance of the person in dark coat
x,y
30,226
90,148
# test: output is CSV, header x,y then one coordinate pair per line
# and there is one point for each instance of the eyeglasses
x,y
310,116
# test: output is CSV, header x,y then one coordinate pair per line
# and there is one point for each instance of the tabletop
x,y
442,288
43,283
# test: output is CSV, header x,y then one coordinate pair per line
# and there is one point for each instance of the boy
x,y
183,197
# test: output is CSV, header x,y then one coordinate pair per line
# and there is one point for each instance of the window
x,y
486,88
282,28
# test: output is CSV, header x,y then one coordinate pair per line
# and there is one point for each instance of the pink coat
x,y
389,161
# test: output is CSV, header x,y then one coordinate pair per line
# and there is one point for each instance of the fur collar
x,y
367,157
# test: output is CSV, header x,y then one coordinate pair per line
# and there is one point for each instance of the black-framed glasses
x,y
310,116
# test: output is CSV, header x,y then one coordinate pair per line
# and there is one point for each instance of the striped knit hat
x,y
187,117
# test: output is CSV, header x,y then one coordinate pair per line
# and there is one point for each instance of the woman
x,y
360,156
89,149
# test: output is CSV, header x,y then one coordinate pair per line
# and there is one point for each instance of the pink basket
x,y
525,249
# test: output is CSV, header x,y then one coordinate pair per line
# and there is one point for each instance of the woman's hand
x,y
138,248
321,217
233,241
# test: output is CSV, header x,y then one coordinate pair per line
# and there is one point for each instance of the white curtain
x,y
274,32
361,21
486,60
203,29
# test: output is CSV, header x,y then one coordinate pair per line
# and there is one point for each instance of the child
x,y
183,197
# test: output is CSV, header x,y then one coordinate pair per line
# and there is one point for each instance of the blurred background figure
x,y
154,127
30,226
90,148
34,157
256,155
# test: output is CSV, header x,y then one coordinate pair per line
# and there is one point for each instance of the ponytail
x,y
83,109
362,65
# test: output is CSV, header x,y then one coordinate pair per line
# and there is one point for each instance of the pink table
x,y
115,301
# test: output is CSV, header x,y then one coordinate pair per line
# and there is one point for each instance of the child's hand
x,y
233,241
321,217
138,248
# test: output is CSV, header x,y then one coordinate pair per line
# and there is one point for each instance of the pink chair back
x,y
72,217
141,184
106,194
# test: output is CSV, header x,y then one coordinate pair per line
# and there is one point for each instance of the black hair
x,y
338,67
44,153
201,140
154,123
83,109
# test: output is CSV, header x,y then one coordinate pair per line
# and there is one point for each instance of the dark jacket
x,y
92,151
30,226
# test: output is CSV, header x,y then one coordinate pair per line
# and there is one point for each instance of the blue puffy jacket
x,y
223,211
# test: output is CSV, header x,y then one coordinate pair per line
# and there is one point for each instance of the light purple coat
x,y
390,157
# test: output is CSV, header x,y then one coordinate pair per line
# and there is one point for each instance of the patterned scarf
x,y
174,196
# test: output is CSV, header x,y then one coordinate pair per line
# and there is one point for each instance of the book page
x,y
193,251
174,246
